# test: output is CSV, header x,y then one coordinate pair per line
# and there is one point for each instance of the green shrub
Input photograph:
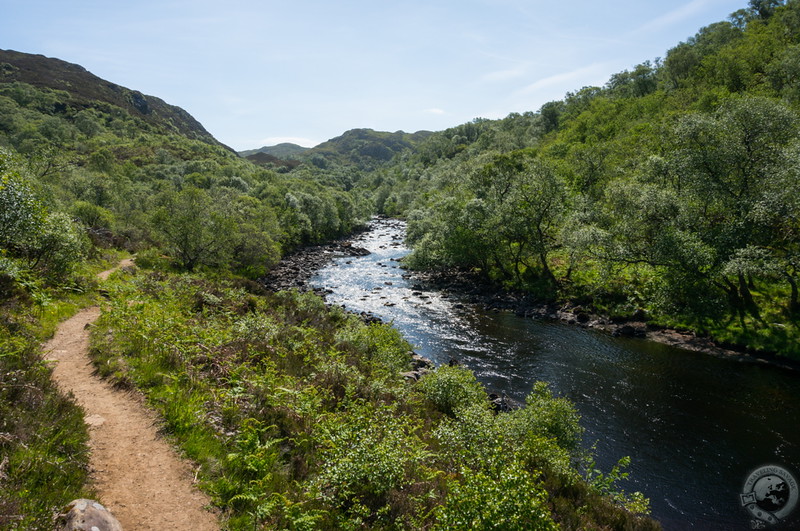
x,y
452,388
471,439
22,213
382,345
92,216
59,247
512,499
546,416
366,454
153,259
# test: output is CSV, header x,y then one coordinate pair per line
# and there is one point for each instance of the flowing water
x,y
695,425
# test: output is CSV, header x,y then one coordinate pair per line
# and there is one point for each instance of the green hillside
x,y
88,91
364,148
286,150
670,192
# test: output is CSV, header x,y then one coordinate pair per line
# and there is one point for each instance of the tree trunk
x,y
747,297
734,300
794,303
546,270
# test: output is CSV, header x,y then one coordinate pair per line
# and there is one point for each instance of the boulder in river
x,y
86,515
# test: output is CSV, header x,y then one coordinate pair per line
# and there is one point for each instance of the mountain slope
x,y
284,151
367,143
265,159
86,90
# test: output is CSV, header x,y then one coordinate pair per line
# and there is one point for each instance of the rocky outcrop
x,y
86,515
503,403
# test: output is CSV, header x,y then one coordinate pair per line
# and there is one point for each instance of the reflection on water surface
x,y
695,425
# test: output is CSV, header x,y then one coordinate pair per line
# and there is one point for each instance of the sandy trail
x,y
138,476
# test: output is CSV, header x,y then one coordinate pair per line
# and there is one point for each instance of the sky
x,y
258,73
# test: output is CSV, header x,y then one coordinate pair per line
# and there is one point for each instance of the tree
x,y
58,247
764,8
522,203
195,231
733,165
48,242
21,212
252,243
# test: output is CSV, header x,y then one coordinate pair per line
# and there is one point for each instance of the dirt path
x,y
138,476
128,262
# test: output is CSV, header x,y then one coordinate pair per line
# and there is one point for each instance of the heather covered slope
x,y
89,91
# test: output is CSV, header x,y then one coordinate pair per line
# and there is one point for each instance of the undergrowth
x,y
299,418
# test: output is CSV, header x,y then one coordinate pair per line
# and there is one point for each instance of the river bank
x,y
686,420
297,268
475,290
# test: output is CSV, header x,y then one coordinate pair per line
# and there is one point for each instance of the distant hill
x,y
285,151
265,159
372,144
365,147
87,90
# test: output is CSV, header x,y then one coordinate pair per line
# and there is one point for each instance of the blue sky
x,y
259,73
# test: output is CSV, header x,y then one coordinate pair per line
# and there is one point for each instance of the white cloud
x,y
275,140
436,111
673,17
580,76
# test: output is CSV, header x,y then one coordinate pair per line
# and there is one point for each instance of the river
x,y
694,425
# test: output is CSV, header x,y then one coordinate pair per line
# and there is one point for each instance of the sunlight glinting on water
x,y
688,420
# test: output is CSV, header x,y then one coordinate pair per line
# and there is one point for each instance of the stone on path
x,y
86,515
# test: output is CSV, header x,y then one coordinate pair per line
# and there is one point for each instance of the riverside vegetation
x,y
671,192
300,418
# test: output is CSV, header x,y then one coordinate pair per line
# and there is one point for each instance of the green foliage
x,y
384,347
21,212
606,484
300,419
93,216
152,259
43,439
194,230
58,248
547,416
48,243
672,189
451,389
513,500
369,456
